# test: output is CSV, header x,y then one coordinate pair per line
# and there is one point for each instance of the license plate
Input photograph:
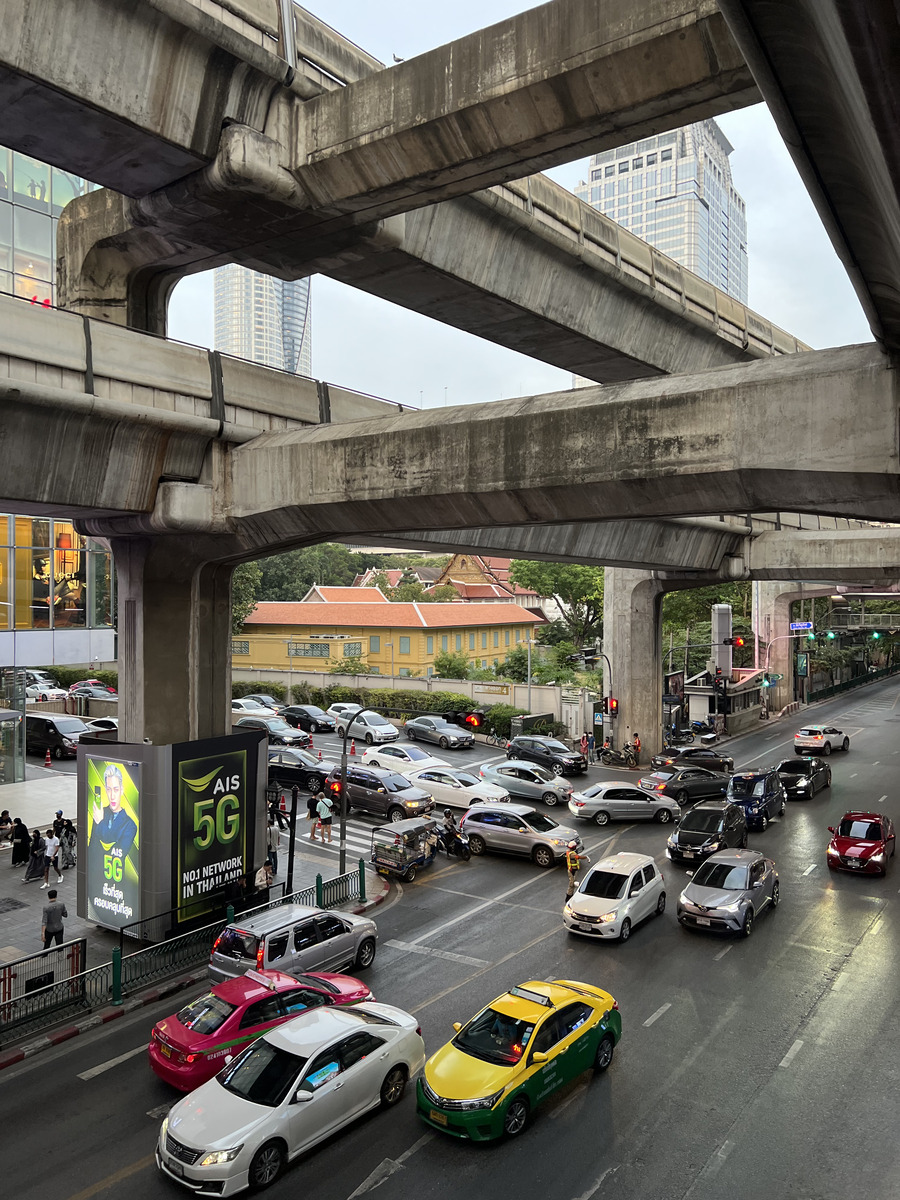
x,y
688,853
855,862
440,1117
176,1168
703,920
583,928
165,1051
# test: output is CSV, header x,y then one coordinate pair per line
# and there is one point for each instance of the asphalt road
x,y
747,1068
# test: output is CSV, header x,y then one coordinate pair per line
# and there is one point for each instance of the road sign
x,y
775,678
801,624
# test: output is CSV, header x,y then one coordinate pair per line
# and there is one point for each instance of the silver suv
x,y
517,829
292,938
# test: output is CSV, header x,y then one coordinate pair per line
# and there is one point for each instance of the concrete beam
x,y
829,72
683,445
861,556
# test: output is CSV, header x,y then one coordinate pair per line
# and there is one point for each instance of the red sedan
x,y
862,843
193,1044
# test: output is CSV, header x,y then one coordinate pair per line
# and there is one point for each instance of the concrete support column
x,y
632,607
174,619
772,623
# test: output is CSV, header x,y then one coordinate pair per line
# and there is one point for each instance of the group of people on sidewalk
x,y
55,850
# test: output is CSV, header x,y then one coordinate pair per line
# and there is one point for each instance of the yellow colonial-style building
x,y
392,639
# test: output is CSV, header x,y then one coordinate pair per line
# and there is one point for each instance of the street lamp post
x,y
391,644
342,860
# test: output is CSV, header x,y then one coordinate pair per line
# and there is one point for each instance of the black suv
x,y
709,826
382,793
760,794
288,767
548,752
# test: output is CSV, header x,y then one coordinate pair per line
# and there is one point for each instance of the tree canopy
x,y
576,589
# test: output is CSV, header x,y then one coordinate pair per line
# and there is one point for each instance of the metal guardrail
x,y
848,685
30,997
860,621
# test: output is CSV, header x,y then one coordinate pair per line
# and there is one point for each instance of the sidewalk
x,y
36,801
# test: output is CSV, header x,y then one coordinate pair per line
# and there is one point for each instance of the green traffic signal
x,y
876,636
810,637
830,635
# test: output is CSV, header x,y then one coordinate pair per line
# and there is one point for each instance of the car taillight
x,y
578,803
419,1030
189,1058
260,956
217,941
616,1005
660,787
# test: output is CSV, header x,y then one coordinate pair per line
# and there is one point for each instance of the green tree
x,y
353,665
444,592
577,590
245,583
289,576
451,665
515,665
409,591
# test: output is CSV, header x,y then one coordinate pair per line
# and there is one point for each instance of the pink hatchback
x,y
193,1044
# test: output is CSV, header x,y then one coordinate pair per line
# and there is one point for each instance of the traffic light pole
x,y
342,861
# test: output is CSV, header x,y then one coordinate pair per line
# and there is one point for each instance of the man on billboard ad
x,y
212,816
113,874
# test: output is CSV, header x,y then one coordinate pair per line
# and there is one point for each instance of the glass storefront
x,y
51,577
12,725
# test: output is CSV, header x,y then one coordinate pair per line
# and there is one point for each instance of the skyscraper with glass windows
x,y
675,191
263,319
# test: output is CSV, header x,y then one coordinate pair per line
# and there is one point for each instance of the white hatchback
x,y
290,1089
614,896
820,739
401,758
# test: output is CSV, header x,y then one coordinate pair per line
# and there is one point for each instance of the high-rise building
x,y
263,319
675,191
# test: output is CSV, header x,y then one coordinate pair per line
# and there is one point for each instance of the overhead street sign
x,y
801,624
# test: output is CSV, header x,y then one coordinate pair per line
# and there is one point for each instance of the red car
x,y
96,683
193,1044
862,843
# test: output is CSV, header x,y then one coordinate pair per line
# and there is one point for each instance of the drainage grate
x,y
11,905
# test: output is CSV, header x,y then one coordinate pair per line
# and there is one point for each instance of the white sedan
x,y
293,1087
251,708
614,896
401,758
43,691
454,785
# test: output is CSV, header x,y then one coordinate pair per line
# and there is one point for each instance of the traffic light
x,y
718,682
610,706
590,655
733,641
474,720
875,636
831,635
810,637
335,788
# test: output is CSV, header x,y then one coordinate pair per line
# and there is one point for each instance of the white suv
x,y
820,739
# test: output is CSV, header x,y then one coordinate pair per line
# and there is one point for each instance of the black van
x,y
56,732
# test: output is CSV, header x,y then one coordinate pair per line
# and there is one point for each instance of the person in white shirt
x,y
51,858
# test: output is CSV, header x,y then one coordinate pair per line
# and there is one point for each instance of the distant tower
x,y
263,319
675,191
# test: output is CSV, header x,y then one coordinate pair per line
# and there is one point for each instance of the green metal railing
x,y
836,689
109,983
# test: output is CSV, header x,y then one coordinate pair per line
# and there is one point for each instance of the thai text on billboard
x,y
113,816
211,828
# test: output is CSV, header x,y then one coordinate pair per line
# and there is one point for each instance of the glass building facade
x,y
675,191
263,319
32,196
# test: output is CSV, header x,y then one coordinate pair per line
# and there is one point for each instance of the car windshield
x,y
663,776
701,822
205,1015
594,790
466,779
298,758
279,725
539,822
263,1074
558,746
411,752
746,787
722,875
543,774
317,981
796,766
607,884
70,725
810,733
396,783
236,943
253,703
867,831
312,711
495,1038
376,719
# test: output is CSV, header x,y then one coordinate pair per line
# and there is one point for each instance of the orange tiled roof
x,y
351,595
399,616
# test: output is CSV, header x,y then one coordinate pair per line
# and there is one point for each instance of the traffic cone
x,y
320,756
310,745
283,804
352,747
47,762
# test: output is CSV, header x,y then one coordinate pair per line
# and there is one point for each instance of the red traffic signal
x,y
733,641
611,706
473,720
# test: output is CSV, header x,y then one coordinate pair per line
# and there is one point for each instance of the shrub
x,y
498,717
245,687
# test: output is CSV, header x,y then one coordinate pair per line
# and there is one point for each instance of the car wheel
x,y
604,1055
396,814
601,818
550,799
625,931
476,845
313,727
826,749
373,762
747,927
393,1087
557,768
265,1166
661,904
663,817
516,1117
828,780
744,841
845,744
682,798
365,955
369,739
410,736
542,855
57,753
409,874
783,807
799,752
776,894
763,823
443,743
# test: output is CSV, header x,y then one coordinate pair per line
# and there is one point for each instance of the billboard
x,y
214,795
114,862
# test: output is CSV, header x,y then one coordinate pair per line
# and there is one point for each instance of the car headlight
x,y
876,857
221,1156
68,742
802,783
481,1102
164,1128
672,842
609,916
731,908
559,842
832,853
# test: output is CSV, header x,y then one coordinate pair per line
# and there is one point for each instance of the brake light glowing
x,y
578,803
260,955
660,787
217,941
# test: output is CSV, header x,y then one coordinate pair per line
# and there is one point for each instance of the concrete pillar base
x,y
632,603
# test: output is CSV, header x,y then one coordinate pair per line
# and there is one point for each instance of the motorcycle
x,y
679,737
453,842
625,757
707,726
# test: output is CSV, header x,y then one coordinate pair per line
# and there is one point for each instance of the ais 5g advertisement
x,y
114,863
212,816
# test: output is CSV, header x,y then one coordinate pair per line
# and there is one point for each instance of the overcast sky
x,y
361,342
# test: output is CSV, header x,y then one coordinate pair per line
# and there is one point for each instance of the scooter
x,y
453,842
679,737
625,757
707,726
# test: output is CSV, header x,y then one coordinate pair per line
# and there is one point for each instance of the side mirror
x,y
690,874
457,1025
301,1096
539,1057
831,829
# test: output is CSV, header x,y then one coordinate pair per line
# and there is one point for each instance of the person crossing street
x,y
573,866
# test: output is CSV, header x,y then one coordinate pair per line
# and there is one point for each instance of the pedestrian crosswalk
x,y
359,839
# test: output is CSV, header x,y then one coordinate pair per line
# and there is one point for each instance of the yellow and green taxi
x,y
518,1050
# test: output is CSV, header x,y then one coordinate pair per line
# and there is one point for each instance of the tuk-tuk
x,y
404,846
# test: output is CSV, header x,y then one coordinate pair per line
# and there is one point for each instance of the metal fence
x,y
836,689
41,988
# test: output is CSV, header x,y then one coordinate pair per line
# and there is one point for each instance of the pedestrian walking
x,y
35,868
51,858
592,748
275,811
311,801
68,845
20,842
583,745
58,823
573,866
325,809
636,743
52,920
272,842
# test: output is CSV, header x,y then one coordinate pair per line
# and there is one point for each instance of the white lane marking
x,y
112,1062
854,775
722,953
416,1146
655,1016
878,926
383,1171
771,737
595,1186
792,1053
881,799
809,870
716,1161
876,762
745,762
839,983
161,1110
576,1095
410,947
